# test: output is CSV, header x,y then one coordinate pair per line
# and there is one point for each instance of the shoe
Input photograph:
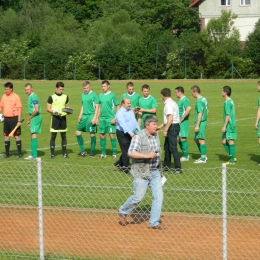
x,y
52,156
29,158
113,157
5,156
200,161
91,156
235,159
183,159
19,156
65,155
228,163
177,171
82,154
102,156
122,220
166,169
159,227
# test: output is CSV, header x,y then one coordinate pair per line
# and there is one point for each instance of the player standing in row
x,y
12,106
34,121
257,122
184,112
88,119
229,129
55,104
107,121
200,122
131,94
147,104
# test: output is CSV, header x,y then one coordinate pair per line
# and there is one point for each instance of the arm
x,y
257,118
80,113
150,111
48,108
187,111
35,112
137,155
168,124
95,118
223,130
113,121
197,126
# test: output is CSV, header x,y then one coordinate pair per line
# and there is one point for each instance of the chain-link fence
x,y
67,211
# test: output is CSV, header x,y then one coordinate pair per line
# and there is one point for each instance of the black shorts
x,y
9,124
58,124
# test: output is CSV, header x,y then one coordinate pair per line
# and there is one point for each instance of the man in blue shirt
x,y
126,125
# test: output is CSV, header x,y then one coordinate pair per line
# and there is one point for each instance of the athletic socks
x,y
7,147
34,147
198,145
226,146
93,141
19,147
80,143
103,142
113,144
232,150
203,150
184,147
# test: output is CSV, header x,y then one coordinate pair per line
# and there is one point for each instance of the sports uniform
x,y
134,98
201,106
147,103
108,102
258,132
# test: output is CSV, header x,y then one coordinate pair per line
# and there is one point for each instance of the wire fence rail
x,y
69,211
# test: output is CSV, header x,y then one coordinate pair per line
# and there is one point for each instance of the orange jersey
x,y
11,104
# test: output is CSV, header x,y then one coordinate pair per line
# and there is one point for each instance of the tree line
x,y
121,39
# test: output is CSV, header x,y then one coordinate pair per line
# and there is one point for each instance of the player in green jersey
x,y
200,122
257,122
184,112
147,104
107,121
88,118
34,121
229,128
131,94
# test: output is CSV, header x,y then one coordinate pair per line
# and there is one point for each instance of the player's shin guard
x,y
7,147
63,142
19,147
93,141
34,147
185,147
103,142
113,144
80,143
232,154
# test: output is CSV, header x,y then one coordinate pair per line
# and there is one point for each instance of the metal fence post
x,y
40,209
99,71
24,71
44,71
0,71
224,212
75,68
129,71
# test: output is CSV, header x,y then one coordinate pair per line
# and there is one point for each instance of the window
x,y
245,2
226,2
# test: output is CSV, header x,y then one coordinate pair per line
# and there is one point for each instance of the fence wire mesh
x,y
80,217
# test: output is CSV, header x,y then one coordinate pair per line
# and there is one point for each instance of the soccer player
x,y
257,122
229,129
88,119
12,106
147,104
131,94
55,104
34,121
107,121
200,122
184,112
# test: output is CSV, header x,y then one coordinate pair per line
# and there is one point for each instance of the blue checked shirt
x,y
136,145
125,121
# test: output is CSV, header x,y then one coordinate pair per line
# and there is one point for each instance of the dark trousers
x,y
124,141
170,147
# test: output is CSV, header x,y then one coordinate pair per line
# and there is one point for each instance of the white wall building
x,y
247,11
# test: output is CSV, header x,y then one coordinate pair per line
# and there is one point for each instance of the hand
x,y
256,126
93,121
28,123
55,112
79,118
196,129
113,121
151,155
165,133
223,130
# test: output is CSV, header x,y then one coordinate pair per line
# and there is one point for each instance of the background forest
x,y
120,39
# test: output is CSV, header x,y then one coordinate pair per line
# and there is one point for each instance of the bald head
x,y
126,103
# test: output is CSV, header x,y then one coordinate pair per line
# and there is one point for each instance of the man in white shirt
x,y
171,130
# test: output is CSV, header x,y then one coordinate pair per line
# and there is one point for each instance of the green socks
x,y
226,146
184,147
103,145
232,150
81,143
203,149
113,144
93,141
34,147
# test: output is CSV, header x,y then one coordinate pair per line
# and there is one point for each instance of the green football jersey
x,y
147,103
183,104
32,101
134,98
108,103
89,102
229,109
259,101
201,106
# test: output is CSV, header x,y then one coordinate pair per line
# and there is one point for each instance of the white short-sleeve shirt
x,y
171,108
